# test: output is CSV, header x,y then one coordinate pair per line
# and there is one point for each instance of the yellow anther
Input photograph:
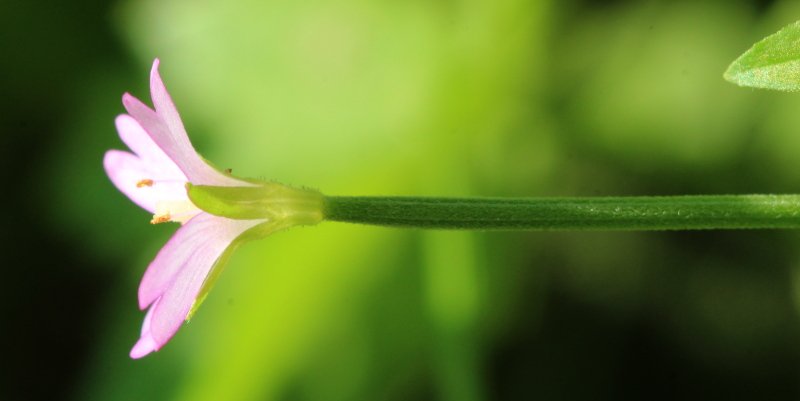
x,y
144,183
160,218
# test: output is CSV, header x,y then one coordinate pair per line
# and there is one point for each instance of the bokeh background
x,y
386,97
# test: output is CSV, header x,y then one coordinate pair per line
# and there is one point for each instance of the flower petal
x,y
126,170
146,343
137,139
166,129
166,109
176,275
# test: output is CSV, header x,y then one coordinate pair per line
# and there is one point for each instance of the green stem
x,y
601,213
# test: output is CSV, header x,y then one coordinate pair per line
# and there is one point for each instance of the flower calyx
x,y
271,201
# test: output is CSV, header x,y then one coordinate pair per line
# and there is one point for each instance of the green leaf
x,y
772,63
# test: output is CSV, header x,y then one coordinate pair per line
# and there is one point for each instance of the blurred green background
x,y
365,97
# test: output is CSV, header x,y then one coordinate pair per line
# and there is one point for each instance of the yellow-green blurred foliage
x,y
453,97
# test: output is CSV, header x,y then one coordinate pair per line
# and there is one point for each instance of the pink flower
x,y
154,176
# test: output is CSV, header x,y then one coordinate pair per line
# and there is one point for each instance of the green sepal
x,y
772,63
267,200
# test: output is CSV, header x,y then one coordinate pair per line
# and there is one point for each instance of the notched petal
x,y
141,182
174,141
125,170
146,343
177,274
138,140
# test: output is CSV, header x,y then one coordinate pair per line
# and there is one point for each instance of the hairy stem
x,y
598,213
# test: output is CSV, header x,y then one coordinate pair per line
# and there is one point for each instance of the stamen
x,y
161,218
144,183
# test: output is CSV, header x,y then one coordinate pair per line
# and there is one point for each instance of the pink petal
x,y
126,170
166,109
166,129
176,276
146,343
137,139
